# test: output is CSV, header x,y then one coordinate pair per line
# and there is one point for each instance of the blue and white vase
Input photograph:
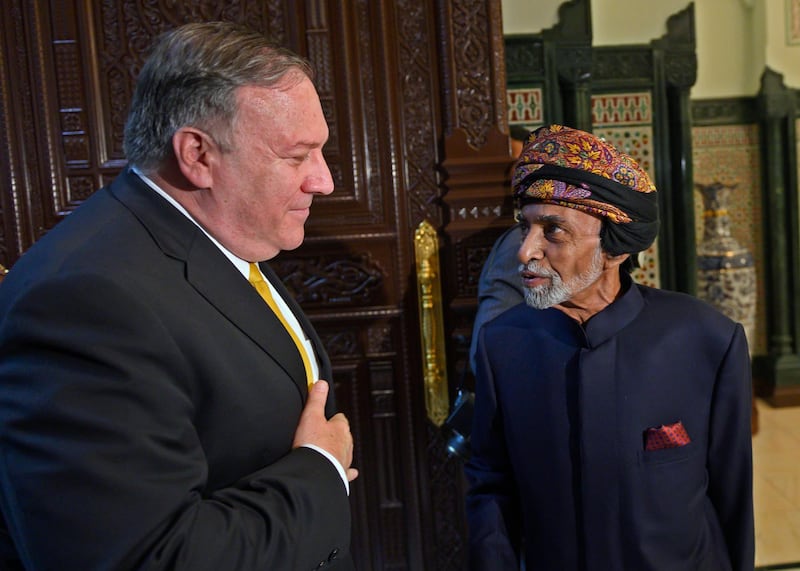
x,y
726,273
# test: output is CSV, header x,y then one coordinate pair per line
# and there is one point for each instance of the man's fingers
x,y
352,474
318,396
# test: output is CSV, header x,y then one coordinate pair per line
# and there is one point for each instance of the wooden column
x,y
778,375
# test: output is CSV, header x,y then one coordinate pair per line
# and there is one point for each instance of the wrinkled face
x,y
560,254
265,185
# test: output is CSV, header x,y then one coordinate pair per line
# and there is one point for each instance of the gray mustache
x,y
535,268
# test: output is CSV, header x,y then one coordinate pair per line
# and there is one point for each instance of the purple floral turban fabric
x,y
572,168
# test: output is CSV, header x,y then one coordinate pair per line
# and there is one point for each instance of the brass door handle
x,y
429,293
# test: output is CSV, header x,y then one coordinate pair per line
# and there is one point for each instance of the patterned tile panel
x,y
622,109
525,107
625,121
729,154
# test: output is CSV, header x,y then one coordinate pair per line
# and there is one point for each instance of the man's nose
x,y
320,180
532,246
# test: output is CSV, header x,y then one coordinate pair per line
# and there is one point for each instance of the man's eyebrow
x,y
541,219
304,145
548,219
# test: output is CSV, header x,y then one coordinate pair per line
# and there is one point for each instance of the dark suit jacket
x,y
499,285
560,472
148,403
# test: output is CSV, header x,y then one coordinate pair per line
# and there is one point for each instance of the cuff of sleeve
x,y
335,462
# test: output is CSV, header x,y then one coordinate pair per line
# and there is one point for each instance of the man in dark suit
x,y
612,420
160,397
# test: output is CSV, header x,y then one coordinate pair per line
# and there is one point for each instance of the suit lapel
x,y
213,276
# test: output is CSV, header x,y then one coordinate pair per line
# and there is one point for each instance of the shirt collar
x,y
242,265
614,318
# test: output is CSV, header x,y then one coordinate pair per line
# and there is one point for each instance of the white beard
x,y
556,292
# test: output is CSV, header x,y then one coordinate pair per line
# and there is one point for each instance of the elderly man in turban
x,y
612,420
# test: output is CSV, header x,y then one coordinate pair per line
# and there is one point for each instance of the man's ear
x,y
614,261
195,154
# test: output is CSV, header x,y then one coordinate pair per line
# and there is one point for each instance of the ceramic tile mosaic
x,y
637,141
525,106
729,154
622,109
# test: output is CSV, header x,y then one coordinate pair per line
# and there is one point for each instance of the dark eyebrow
x,y
549,219
542,219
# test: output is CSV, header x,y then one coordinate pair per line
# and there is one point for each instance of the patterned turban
x,y
572,168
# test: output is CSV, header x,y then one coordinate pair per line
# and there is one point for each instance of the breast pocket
x,y
667,455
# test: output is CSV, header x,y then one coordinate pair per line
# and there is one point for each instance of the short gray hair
x,y
190,79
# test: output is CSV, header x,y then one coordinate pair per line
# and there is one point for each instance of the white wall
x,y
730,48
644,20
736,39
529,16
781,56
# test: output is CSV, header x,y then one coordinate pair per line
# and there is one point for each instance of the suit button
x,y
333,554
322,564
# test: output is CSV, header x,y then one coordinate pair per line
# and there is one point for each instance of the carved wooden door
x,y
413,91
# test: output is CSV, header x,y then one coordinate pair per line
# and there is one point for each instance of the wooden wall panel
x,y
414,93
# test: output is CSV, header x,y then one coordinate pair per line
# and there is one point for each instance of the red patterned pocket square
x,y
666,436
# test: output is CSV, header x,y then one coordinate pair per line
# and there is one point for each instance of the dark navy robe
x,y
559,474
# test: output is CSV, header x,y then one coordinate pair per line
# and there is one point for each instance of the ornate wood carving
x,y
274,18
406,86
613,64
35,194
680,58
416,65
474,94
474,34
524,59
11,228
447,480
341,344
332,280
728,111
574,63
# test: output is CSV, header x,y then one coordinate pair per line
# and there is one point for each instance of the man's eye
x,y
553,232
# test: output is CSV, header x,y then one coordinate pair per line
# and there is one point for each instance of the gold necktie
x,y
257,281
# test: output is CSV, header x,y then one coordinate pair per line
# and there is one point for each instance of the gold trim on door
x,y
431,322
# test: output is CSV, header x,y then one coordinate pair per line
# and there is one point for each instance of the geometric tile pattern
x,y
622,109
625,121
730,154
525,107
